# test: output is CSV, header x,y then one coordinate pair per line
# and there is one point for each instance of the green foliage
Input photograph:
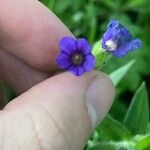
x,y
113,146
111,129
137,116
118,74
143,142
131,134
104,146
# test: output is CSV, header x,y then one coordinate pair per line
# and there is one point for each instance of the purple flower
x,y
118,40
75,55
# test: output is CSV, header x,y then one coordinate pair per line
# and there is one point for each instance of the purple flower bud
x,y
118,40
75,55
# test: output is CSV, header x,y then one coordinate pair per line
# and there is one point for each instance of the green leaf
x,y
104,146
63,5
143,143
111,129
94,139
118,75
137,116
111,4
135,3
125,145
90,17
148,128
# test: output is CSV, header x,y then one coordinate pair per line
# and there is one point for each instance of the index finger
x,y
31,32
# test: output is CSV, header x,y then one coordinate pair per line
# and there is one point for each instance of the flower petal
x,y
113,24
135,44
125,34
110,34
77,70
68,44
126,48
63,60
84,46
89,62
121,51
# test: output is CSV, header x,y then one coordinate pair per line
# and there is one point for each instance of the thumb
x,y
58,113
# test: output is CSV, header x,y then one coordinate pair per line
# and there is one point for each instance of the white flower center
x,y
111,45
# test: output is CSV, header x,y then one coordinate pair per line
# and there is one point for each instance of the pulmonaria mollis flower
x,y
75,55
118,40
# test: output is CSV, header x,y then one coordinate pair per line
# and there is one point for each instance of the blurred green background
x,y
128,120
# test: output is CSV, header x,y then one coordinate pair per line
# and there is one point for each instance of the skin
x,y
51,111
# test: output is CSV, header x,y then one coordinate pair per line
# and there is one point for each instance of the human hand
x,y
58,113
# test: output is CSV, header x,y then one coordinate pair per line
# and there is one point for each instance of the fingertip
x,y
76,104
99,97
94,89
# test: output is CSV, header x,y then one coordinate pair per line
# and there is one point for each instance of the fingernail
x,y
99,97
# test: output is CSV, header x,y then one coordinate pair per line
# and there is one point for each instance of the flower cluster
x,y
76,54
